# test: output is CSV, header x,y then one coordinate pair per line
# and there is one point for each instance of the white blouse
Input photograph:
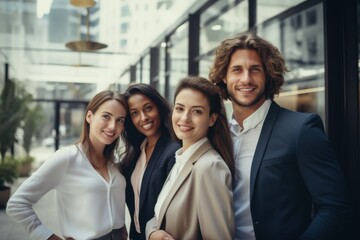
x,y
87,205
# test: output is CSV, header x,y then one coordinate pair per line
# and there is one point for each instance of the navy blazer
x,y
160,163
294,168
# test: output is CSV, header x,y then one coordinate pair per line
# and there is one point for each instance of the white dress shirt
x,y
180,160
88,206
245,141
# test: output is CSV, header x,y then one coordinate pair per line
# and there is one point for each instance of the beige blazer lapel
x,y
181,178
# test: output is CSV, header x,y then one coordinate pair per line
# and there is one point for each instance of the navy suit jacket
x,y
294,168
160,163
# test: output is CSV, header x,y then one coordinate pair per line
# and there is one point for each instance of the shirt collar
x,y
142,156
143,144
252,121
181,156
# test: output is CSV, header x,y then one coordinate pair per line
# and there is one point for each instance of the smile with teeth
x,y
248,89
147,126
109,134
184,128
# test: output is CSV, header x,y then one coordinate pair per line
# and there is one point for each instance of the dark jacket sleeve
x,y
324,179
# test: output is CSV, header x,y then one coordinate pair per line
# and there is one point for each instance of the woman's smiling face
x,y
144,115
191,116
106,123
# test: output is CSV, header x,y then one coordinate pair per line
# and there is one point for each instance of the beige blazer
x,y
200,204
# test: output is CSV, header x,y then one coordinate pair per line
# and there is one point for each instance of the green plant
x,y
13,107
24,159
23,165
32,124
7,172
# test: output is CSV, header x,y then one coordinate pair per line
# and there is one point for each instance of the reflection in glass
x,y
162,52
139,71
267,9
69,129
178,54
124,80
46,137
300,39
221,20
62,90
145,78
71,116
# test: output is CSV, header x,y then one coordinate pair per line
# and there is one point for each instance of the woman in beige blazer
x,y
196,199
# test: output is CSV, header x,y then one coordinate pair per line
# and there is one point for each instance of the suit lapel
x,y
159,148
185,172
262,143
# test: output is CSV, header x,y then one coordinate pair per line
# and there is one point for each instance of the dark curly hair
x,y
273,62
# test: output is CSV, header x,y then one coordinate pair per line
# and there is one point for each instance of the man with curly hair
x,y
288,183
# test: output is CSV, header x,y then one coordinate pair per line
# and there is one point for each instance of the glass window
x,y
62,90
146,69
124,81
221,20
123,43
59,18
178,53
71,116
300,38
162,57
267,9
125,10
124,27
139,71
45,140
70,125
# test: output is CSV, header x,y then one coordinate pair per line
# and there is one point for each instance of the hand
x,y
160,235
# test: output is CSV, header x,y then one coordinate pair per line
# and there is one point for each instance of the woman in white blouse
x,y
90,190
196,199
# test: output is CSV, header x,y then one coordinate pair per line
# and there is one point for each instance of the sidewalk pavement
x,y
45,208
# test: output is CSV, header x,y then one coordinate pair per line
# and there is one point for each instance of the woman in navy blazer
x,y
150,156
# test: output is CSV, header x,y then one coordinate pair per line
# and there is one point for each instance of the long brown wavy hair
x,y
93,105
272,60
219,134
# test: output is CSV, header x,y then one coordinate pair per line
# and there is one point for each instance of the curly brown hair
x,y
273,62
